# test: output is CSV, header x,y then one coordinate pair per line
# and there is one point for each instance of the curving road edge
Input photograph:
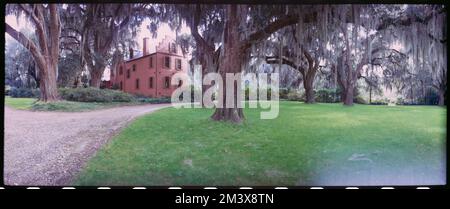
x,y
50,148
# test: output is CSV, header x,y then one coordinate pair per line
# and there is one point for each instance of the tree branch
x,y
28,44
194,30
268,30
276,60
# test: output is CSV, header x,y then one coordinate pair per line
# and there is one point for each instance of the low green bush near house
x,y
68,106
153,100
24,93
95,95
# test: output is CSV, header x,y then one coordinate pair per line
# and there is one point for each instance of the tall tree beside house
x,y
99,28
45,52
206,24
103,26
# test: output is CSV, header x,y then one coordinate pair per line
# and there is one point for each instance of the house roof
x,y
133,59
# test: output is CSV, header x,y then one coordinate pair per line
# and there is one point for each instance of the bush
x,y
327,95
267,91
7,89
153,100
24,93
115,87
359,100
283,93
95,95
380,102
294,96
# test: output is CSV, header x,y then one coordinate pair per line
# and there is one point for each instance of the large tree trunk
x,y
204,70
46,53
309,76
441,98
96,77
309,91
348,95
231,63
48,86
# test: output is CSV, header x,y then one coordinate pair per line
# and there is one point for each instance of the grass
x,y
69,106
63,106
19,103
320,144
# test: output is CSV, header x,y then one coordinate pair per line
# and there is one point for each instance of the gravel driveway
x,y
50,148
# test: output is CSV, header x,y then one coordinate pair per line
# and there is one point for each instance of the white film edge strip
x,y
217,188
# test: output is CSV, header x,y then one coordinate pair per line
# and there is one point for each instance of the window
x,y
173,48
120,86
151,62
120,70
178,64
166,82
180,82
128,73
150,82
134,67
167,62
137,83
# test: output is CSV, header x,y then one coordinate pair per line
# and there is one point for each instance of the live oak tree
x,y
206,23
228,33
103,26
241,31
303,46
46,22
99,28
358,42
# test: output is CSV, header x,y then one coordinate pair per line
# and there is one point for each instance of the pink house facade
x,y
150,74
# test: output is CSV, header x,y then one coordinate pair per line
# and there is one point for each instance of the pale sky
x,y
163,30
17,24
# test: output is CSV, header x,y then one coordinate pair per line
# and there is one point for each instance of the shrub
x,y
379,102
267,91
95,95
359,100
153,100
283,92
24,93
7,89
327,95
115,86
294,96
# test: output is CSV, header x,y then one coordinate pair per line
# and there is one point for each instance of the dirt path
x,y
50,148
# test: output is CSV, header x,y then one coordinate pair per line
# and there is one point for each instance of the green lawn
x,y
19,103
64,106
320,144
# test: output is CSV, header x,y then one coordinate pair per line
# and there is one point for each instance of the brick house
x,y
150,74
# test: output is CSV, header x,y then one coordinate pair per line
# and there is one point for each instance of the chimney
x,y
131,53
145,50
